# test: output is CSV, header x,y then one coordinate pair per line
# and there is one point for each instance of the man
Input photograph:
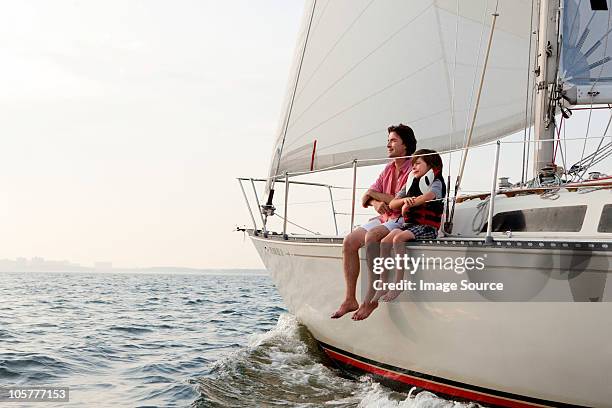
x,y
401,142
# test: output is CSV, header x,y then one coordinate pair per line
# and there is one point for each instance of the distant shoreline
x,y
143,271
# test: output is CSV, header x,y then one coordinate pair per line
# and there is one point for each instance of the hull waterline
x,y
498,353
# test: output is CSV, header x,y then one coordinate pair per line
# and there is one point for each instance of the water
x,y
170,340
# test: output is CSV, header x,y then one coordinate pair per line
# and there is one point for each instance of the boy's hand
x,y
409,201
405,209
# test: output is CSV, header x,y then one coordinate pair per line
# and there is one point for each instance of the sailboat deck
x,y
501,242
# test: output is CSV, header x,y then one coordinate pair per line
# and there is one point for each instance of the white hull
x,y
553,351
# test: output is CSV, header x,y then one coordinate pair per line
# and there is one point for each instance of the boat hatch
x,y
550,219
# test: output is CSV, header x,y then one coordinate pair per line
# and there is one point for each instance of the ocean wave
x,y
285,366
125,340
131,329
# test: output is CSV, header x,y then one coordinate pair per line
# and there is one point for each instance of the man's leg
x,y
350,259
372,243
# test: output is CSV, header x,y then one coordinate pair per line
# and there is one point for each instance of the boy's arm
x,y
420,200
396,203
433,194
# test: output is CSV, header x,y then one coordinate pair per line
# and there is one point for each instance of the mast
x,y
546,74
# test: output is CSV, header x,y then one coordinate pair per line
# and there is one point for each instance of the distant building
x,y
103,266
37,262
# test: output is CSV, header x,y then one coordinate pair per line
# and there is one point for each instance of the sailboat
x,y
461,74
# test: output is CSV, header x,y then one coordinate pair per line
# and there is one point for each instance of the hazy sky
x,y
125,123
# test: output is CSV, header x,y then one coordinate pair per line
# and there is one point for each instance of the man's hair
x,y
407,135
430,157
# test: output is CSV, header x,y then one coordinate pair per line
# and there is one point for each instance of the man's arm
x,y
385,198
378,185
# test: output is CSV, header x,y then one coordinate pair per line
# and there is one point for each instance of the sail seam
x,y
351,69
363,100
332,49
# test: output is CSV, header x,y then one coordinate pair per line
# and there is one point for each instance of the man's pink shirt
x,y
384,185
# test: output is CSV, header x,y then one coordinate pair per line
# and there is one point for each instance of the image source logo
x,y
475,274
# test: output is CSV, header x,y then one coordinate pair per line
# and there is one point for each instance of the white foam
x,y
289,356
376,396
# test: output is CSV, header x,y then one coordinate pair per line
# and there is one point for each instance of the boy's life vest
x,y
429,213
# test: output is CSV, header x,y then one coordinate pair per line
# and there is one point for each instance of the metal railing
x,y
287,182
286,207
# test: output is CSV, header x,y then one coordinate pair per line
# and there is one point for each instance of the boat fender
x,y
424,182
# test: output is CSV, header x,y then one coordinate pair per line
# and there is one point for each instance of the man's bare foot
x,y
346,307
391,295
365,310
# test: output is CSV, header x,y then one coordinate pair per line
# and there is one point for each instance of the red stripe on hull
x,y
431,385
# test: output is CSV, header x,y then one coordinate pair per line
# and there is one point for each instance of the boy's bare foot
x,y
365,310
391,295
346,307
378,295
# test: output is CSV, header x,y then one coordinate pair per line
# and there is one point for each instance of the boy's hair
x,y
407,135
430,157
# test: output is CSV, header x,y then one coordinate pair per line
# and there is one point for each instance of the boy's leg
x,y
399,246
386,247
372,243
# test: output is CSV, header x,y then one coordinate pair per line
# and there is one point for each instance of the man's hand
x,y
381,207
365,200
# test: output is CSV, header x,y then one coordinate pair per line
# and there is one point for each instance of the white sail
x,y
362,65
586,63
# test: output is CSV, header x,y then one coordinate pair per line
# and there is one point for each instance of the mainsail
x,y
586,56
362,65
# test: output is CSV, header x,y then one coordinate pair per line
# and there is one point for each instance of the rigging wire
x,y
297,80
558,139
527,96
563,151
449,220
597,151
531,128
473,88
473,121
381,160
452,111
605,52
586,136
446,212
296,225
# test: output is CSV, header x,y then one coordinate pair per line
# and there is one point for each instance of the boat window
x,y
551,219
605,222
